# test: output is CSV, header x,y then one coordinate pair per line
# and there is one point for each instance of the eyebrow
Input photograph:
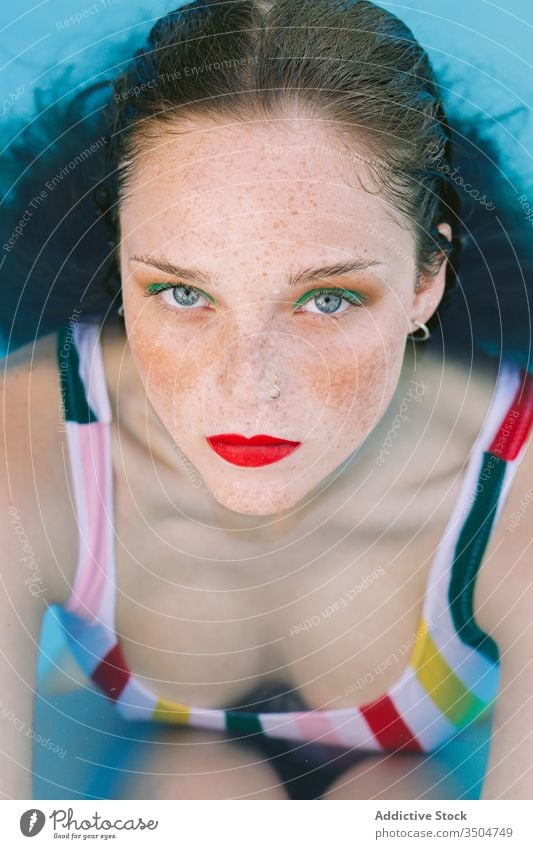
x,y
195,276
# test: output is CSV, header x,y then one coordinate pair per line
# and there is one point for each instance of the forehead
x,y
285,182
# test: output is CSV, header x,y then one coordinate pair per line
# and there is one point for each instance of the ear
x,y
430,289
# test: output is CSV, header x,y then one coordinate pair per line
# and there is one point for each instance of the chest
x,y
330,611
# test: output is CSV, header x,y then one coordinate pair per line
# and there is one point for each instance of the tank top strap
x,y
497,466
81,374
490,469
87,415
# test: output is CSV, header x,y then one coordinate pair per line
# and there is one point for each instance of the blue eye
x,y
181,297
184,295
329,302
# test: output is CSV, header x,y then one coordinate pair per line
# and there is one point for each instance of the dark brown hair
x,y
350,64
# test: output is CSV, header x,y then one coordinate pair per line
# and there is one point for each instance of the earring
x,y
120,311
421,326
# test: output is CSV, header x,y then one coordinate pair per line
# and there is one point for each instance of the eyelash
x,y
354,298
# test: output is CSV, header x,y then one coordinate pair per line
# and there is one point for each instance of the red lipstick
x,y
258,450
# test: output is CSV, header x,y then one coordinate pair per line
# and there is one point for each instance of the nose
x,y
249,367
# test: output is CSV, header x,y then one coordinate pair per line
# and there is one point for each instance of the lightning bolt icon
x,y
33,820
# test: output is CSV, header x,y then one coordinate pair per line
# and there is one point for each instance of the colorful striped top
x,y
452,676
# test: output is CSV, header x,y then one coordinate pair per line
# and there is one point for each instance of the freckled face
x,y
250,209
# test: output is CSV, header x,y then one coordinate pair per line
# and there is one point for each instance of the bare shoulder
x,y
36,468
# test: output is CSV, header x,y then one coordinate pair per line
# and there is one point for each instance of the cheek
x,y
171,365
353,380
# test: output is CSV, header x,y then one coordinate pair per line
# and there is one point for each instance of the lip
x,y
258,450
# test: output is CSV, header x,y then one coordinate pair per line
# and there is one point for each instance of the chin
x,y
256,502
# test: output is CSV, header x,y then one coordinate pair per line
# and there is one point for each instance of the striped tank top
x,y
452,675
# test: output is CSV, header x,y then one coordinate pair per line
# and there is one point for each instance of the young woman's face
x,y
255,339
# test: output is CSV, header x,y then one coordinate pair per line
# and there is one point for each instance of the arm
x,y
510,769
20,618
30,487
505,609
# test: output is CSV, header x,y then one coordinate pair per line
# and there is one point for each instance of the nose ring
x,y
275,391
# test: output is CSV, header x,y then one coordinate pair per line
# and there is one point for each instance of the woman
x,y
261,507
